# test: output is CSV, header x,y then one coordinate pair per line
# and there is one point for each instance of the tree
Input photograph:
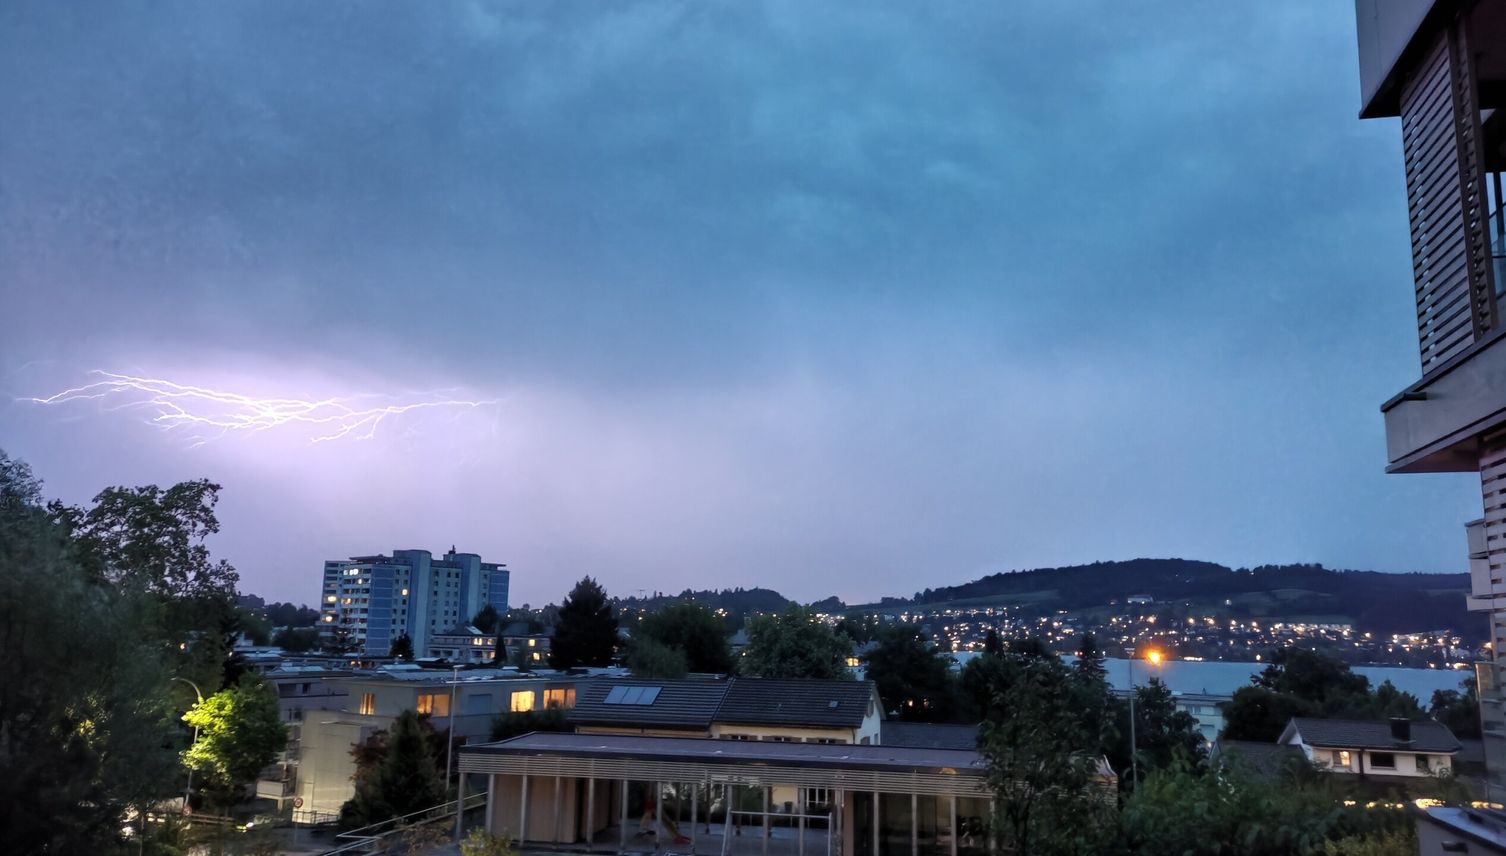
x,y
794,644
1179,810
586,634
991,642
1163,734
1041,759
1459,711
402,648
1260,714
913,679
860,629
149,543
1322,680
400,775
650,658
487,619
296,640
696,632
240,730
82,738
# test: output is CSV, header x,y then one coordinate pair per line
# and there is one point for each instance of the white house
x,y
1395,748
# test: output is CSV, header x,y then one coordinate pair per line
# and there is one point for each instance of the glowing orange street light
x,y
1154,657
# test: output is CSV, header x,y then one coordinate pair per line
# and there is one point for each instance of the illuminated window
x,y
1343,756
434,704
522,701
564,698
329,598
532,642
368,704
405,592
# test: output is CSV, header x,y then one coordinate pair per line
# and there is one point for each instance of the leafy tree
x,y
487,620
1178,810
240,730
149,543
257,629
860,629
1322,680
1163,734
1040,758
1396,842
650,658
696,632
991,642
402,648
586,634
528,721
296,640
1388,702
400,774
913,678
794,644
1260,714
291,615
1459,711
82,738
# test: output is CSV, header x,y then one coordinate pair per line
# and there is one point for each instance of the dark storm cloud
x,y
865,290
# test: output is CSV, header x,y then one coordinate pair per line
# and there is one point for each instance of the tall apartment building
x,y
1440,65
375,599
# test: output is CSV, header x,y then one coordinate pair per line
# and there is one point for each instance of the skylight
x,y
632,695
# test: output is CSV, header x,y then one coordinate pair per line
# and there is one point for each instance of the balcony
x,y
276,789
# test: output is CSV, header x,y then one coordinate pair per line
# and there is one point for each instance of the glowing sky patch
x,y
210,414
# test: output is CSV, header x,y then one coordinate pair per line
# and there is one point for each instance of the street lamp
x,y
189,788
1155,660
449,751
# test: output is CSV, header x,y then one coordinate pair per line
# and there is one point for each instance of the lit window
x,y
405,592
522,701
564,698
532,642
434,704
1343,757
368,704
329,598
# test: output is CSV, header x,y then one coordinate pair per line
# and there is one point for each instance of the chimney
x,y
1401,729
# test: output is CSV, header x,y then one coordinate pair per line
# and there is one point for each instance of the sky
x,y
834,298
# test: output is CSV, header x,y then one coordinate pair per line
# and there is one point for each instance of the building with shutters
x,y
1440,66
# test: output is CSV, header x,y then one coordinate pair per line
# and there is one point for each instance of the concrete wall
x,y
549,822
325,765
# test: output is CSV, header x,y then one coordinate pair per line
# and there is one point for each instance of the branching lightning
x,y
217,413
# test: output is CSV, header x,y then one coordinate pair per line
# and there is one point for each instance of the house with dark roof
x,y
800,711
1397,748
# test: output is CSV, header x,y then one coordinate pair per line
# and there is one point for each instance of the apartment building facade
x,y
367,602
1440,66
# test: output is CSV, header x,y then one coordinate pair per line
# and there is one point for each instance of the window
x,y
1383,760
774,738
1423,765
738,737
1341,757
810,797
822,740
368,704
564,698
434,704
522,701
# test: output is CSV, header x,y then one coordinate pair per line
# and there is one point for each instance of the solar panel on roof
x,y
615,696
649,694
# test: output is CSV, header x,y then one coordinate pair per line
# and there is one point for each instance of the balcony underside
x,y
1436,425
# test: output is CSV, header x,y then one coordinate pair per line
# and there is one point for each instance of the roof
x,y
1484,827
1267,760
708,750
677,704
809,703
1427,735
929,735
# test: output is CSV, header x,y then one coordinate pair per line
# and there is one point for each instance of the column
x,y
459,806
523,817
591,815
914,824
766,790
955,830
622,818
558,819
695,802
876,850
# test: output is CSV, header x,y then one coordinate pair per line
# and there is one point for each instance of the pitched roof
x,y
675,704
929,735
1267,760
811,703
1427,735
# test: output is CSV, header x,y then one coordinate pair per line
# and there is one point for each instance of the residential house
x,y
1446,830
1397,748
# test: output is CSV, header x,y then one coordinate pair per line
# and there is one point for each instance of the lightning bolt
x,y
220,412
